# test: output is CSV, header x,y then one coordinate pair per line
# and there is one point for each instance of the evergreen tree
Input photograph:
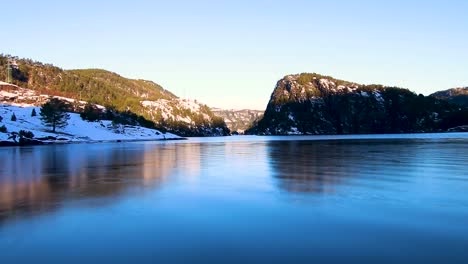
x,y
90,113
33,112
53,114
13,117
25,134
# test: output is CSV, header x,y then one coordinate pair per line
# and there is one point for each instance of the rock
x,y
47,138
29,142
315,104
22,142
7,144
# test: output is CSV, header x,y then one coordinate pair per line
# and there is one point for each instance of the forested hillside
x,y
311,103
456,96
142,97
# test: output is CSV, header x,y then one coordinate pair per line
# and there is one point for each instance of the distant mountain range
x,y
311,103
142,97
238,120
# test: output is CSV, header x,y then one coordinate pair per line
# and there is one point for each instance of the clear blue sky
x,y
231,53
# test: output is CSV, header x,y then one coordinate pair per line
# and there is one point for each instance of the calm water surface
x,y
348,199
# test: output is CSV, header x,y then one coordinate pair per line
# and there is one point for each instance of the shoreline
x,y
63,142
395,136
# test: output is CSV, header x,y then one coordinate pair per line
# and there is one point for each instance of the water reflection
x,y
307,166
220,200
325,166
39,179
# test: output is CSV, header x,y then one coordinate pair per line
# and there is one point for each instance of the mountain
x,y
456,95
142,97
311,103
238,120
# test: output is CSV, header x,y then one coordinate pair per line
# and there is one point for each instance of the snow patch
x,y
77,130
378,97
294,131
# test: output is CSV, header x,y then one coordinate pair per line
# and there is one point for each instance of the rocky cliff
x,y
238,120
310,103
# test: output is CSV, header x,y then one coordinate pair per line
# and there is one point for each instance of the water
x,y
375,199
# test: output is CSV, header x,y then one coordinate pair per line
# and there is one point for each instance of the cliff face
x,y
315,104
238,120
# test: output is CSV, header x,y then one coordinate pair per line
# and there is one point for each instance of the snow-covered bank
x,y
77,130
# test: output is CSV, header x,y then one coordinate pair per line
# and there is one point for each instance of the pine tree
x,y
33,112
13,117
90,113
53,114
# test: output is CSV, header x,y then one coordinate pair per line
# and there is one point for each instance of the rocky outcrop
x,y
316,104
238,120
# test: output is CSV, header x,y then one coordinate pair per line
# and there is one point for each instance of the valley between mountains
x,y
300,104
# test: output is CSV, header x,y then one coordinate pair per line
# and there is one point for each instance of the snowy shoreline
x,y
46,143
77,130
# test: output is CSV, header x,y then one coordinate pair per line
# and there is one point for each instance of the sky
x,y
230,54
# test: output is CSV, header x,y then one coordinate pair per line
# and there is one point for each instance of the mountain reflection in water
x,y
38,179
265,199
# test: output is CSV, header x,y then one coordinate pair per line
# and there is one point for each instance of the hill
x,y
311,103
456,96
142,97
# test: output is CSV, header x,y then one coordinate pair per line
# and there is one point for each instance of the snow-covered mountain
x,y
238,120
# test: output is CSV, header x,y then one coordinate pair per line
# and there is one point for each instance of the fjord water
x,y
252,199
